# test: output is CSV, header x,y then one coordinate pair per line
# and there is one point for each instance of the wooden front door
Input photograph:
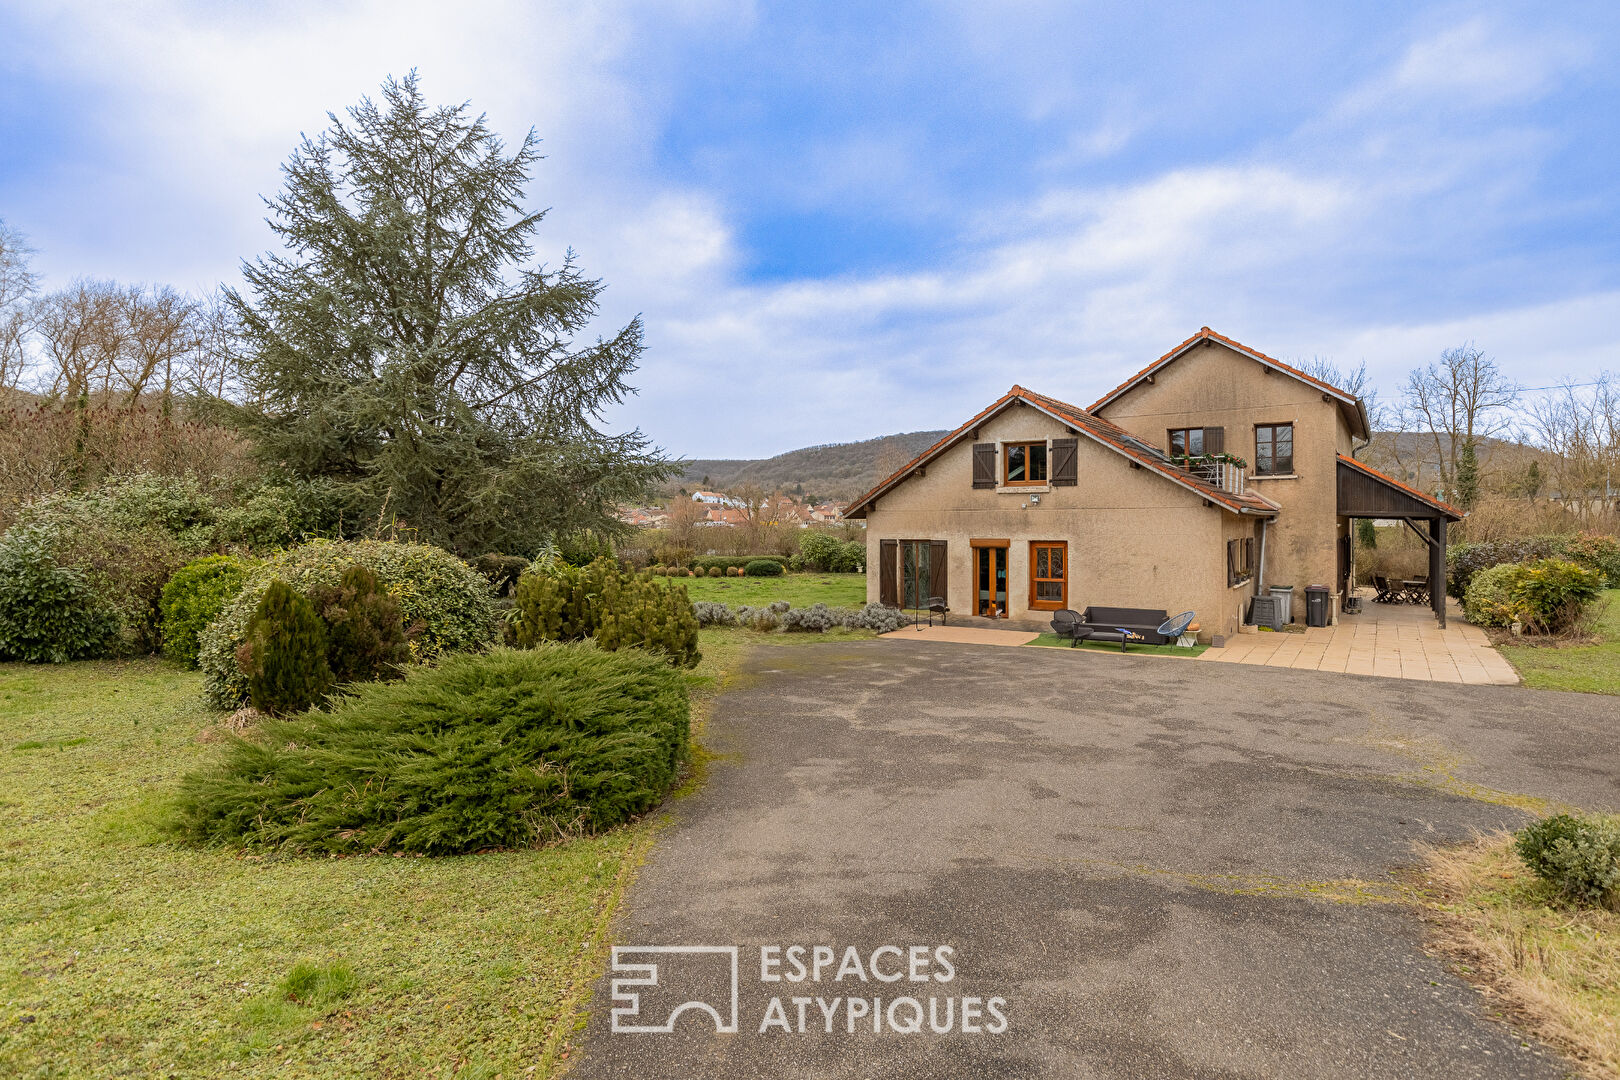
x,y
1048,575
990,580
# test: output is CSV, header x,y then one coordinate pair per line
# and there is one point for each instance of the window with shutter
x,y
1214,440
1065,462
984,465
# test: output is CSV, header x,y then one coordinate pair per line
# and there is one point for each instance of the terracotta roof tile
x,y
1110,434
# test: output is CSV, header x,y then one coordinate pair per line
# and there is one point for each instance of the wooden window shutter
x,y
1065,462
1231,562
888,557
1214,440
936,569
984,465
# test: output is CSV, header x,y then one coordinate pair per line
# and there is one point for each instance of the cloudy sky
x,y
841,221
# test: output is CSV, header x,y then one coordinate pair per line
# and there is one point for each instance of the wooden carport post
x,y
1437,568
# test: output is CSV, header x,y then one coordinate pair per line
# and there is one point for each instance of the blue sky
x,y
846,220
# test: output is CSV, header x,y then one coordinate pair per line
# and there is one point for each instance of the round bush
x,y
763,568
447,605
1579,855
715,571
49,614
194,597
1552,595
1489,601
507,749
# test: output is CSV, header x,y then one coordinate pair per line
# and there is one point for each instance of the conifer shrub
x,y
763,568
365,629
512,748
194,597
558,602
1579,855
284,656
446,604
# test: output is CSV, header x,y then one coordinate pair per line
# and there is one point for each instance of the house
x,y
713,498
1211,474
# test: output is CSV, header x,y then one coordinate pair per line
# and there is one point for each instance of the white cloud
x,y
1065,291
1477,64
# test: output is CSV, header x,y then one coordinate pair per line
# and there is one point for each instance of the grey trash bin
x,y
1285,602
1316,605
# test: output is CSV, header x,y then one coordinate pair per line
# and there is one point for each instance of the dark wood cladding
x,y
1366,496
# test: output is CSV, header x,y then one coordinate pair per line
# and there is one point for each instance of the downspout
x,y
1260,570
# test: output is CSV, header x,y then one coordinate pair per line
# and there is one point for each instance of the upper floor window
x,y
1025,463
1273,449
1191,442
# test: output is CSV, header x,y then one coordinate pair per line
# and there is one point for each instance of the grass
x,y
1052,641
126,954
800,590
1590,669
1556,967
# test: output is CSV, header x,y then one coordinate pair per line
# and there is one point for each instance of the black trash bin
x,y
1316,605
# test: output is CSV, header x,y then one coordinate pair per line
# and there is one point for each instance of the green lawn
x,y
800,590
125,954
1591,669
1054,642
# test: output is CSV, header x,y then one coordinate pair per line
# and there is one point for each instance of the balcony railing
x,y
1225,475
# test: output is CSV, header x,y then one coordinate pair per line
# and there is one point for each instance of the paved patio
x,y
1398,641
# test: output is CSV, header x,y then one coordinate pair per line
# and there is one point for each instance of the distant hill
x,y
833,470
1410,456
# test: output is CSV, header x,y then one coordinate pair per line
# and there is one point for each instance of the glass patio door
x,y
990,581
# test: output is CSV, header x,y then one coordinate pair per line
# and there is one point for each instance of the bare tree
x,y
161,332
1457,403
17,285
1579,427
81,330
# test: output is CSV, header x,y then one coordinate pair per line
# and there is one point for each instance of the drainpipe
x,y
1260,570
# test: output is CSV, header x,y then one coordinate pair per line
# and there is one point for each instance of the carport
x,y
1364,492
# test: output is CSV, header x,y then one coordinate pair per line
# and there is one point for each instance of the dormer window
x,y
1025,463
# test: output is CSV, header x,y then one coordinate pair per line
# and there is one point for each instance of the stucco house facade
x,y
1214,472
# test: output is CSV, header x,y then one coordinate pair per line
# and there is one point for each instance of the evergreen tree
x,y
1366,533
284,656
1467,476
365,629
407,347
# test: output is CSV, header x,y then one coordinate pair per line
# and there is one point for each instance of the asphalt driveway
x,y
1162,869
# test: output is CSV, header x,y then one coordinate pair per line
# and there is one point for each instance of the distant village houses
x,y
720,510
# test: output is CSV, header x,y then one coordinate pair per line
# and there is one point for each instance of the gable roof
x,y
1355,413
1081,422
1428,500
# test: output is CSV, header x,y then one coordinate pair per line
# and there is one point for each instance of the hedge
x,y
558,602
513,748
447,606
724,562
